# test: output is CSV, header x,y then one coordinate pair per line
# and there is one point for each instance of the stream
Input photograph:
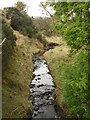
x,y
41,89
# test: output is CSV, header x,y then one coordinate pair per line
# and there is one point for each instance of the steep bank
x,y
17,78
53,58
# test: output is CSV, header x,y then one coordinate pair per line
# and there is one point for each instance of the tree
x,y
21,6
73,24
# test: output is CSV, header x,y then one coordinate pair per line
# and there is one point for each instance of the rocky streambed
x,y
41,90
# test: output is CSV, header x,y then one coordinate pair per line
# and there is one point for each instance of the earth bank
x,y
17,78
53,58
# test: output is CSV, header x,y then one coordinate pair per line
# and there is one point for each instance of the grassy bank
x,y
70,79
17,78
53,58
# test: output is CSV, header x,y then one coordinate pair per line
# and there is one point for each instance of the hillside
x,y
17,77
17,70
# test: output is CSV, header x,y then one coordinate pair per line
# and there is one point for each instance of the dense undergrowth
x,y
20,22
74,79
72,25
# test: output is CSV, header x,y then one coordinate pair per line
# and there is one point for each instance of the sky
x,y
33,6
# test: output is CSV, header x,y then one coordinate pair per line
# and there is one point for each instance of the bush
x,y
20,22
29,31
75,84
72,24
74,30
39,36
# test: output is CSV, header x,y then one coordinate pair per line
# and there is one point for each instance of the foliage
x,y
72,23
39,36
30,31
10,11
75,85
21,7
8,45
20,22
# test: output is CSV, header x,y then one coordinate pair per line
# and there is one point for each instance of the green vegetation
x,y
20,21
21,7
75,84
39,36
8,45
72,25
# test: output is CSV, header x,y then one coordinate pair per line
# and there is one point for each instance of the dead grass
x,y
17,78
55,39
53,58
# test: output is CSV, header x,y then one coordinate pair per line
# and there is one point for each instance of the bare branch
x,y
41,3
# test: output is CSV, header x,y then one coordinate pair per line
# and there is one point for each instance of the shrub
x,y
72,24
20,22
29,31
75,84
39,36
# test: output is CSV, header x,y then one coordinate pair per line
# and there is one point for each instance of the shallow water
x,y
41,89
